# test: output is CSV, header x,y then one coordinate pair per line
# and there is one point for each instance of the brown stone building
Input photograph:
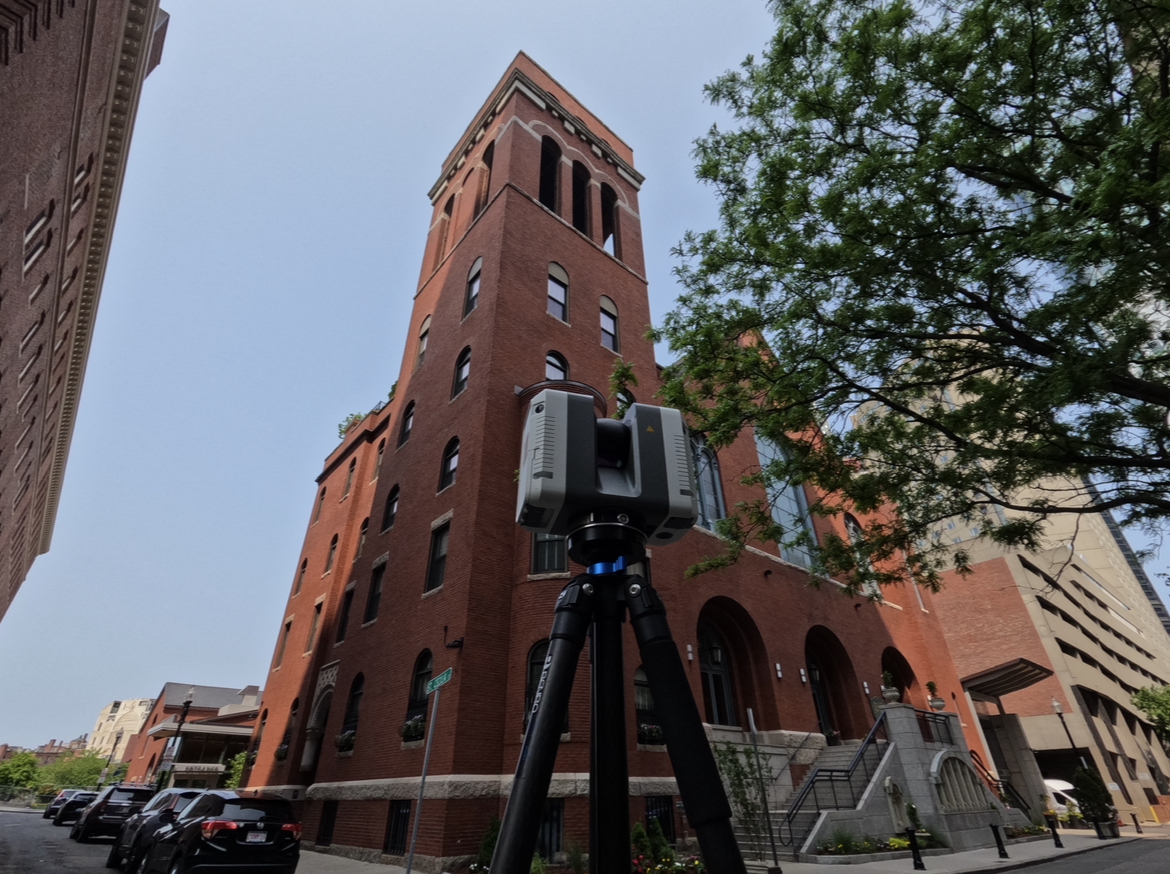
x,y
70,75
533,275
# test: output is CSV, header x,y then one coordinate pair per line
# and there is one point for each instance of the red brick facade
x,y
768,615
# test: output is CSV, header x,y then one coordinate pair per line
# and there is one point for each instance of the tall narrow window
x,y
320,505
407,423
450,464
283,644
581,197
374,598
789,507
378,463
391,511
424,666
649,730
710,495
301,577
609,324
316,623
856,536
437,567
423,334
343,617
332,554
365,529
349,477
609,227
548,554
485,178
397,829
353,707
471,297
558,292
536,659
443,231
555,366
462,372
550,173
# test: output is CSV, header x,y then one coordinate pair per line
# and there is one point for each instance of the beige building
x,y
118,721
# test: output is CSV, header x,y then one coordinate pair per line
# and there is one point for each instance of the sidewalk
x,y
1021,856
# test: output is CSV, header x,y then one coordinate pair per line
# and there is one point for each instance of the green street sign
x,y
444,677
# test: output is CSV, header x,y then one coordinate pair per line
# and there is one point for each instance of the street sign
x,y
440,680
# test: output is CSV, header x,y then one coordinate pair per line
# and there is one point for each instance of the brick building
x,y
70,75
533,276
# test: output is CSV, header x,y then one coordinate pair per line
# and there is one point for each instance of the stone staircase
x,y
822,796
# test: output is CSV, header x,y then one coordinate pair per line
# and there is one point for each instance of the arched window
x,y
374,596
550,173
423,668
555,366
462,372
609,324
710,495
343,615
320,505
609,226
536,657
423,333
789,507
332,554
391,510
485,178
407,423
301,577
353,706
558,292
260,731
649,730
349,477
471,296
365,529
378,463
581,197
450,464
856,536
444,231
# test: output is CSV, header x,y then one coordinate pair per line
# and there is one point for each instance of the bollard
x,y
999,841
1136,825
1055,835
918,866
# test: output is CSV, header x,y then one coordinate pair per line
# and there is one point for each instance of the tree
x,y
73,770
236,770
20,770
939,278
1155,703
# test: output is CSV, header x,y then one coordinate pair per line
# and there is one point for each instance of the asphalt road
x,y
30,844
1137,857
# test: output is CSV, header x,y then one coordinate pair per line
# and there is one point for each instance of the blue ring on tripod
x,y
607,567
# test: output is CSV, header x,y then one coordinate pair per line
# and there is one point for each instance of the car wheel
x,y
114,860
73,832
45,815
177,866
83,835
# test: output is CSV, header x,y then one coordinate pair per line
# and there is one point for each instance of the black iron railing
x,y
833,788
935,727
1002,789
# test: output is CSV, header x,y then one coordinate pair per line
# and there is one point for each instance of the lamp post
x,y
174,754
110,758
1059,711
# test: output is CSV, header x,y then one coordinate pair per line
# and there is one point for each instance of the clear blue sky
x,y
267,248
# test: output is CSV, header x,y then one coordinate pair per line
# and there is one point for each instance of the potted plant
x,y
650,734
413,729
344,741
833,737
281,752
889,690
1096,803
936,703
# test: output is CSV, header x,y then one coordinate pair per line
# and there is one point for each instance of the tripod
x,y
596,603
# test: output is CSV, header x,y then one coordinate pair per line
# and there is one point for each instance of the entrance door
x,y
715,670
820,693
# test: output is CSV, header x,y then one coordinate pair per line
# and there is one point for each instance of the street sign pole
x,y
435,686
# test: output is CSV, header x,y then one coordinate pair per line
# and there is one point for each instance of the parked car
x,y
138,830
71,809
226,830
106,813
55,805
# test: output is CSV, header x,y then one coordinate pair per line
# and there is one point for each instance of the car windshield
x,y
257,810
130,795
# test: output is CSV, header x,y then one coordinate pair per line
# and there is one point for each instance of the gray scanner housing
x,y
562,478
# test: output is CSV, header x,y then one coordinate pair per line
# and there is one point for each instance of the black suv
x,y
223,830
59,802
109,810
137,832
71,809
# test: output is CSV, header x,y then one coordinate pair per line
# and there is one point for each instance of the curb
x,y
1028,863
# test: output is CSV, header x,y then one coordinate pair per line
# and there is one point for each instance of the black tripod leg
x,y
538,755
698,778
609,784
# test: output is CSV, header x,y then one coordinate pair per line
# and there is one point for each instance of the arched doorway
x,y
836,696
315,731
719,701
733,667
893,662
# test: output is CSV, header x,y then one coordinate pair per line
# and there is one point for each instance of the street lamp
x,y
1059,711
174,754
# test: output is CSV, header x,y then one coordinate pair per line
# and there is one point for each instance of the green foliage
x,y
539,865
74,771
660,848
348,422
1093,796
1155,703
939,271
236,770
487,846
912,815
640,841
743,776
20,771
620,382
577,859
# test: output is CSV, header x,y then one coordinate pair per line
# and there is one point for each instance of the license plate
x,y
256,837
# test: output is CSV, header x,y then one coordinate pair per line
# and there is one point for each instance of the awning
x,y
1006,678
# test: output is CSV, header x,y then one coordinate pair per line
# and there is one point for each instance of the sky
x,y
267,247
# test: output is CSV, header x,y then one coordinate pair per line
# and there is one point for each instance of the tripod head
x,y
605,537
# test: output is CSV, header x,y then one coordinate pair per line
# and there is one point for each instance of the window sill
x,y
558,319
413,744
652,748
344,754
430,592
443,489
558,575
369,623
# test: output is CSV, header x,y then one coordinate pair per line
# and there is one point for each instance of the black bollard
x,y
1055,835
999,841
1136,824
914,851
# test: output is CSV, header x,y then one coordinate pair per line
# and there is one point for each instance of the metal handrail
x,y
1002,789
832,777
